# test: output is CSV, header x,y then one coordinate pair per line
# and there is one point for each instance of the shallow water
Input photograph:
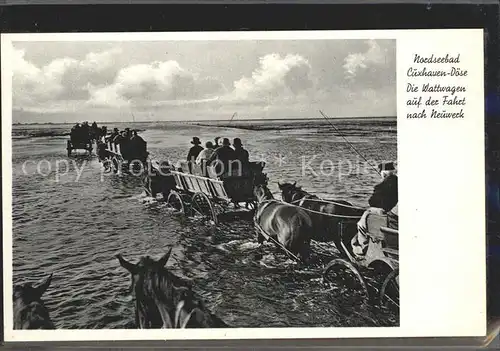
x,y
73,224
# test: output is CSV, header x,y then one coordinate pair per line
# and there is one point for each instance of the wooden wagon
x,y
200,190
73,145
378,269
113,158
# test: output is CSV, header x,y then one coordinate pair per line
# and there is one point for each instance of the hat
x,y
196,141
387,166
225,141
237,142
209,144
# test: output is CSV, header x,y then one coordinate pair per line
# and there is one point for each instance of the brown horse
x,y
163,300
289,225
327,215
29,309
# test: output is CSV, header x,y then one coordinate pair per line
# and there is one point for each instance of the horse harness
x,y
262,205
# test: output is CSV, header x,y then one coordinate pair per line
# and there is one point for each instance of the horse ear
x,y
280,185
126,264
295,183
163,261
43,285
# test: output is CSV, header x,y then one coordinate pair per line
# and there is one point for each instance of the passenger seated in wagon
x,y
221,157
203,157
239,152
138,147
113,135
383,203
195,150
75,133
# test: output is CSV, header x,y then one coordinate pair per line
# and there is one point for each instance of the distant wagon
x,y
190,190
114,158
79,143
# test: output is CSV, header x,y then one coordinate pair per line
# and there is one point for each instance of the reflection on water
x,y
74,221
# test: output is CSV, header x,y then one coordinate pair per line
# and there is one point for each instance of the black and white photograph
x,y
204,184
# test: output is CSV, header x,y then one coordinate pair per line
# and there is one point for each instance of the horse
x,y
289,225
163,300
327,215
29,310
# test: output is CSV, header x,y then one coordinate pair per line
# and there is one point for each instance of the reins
x,y
313,211
326,202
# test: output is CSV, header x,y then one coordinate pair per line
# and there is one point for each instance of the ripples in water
x,y
75,228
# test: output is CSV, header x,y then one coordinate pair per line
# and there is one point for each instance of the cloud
x,y
289,78
275,77
356,63
61,79
155,83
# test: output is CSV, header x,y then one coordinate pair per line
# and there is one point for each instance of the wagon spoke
x,y
201,204
345,274
389,293
175,202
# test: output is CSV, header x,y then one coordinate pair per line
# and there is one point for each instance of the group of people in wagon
x,y
81,133
220,156
84,133
132,146
383,202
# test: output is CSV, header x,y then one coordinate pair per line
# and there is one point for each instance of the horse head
x,y
289,191
162,299
262,193
29,309
144,267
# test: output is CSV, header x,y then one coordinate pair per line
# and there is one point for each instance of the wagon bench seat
x,y
378,229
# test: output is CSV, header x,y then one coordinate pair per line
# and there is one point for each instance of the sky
x,y
195,80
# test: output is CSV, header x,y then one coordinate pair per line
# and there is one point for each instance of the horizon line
x,y
211,120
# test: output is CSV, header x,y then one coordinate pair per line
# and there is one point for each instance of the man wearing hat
x,y
239,152
222,155
385,194
383,202
194,150
114,134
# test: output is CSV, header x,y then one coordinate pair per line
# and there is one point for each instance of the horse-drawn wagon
x,y
194,189
377,270
116,159
79,143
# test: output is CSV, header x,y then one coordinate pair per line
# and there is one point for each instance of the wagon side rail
x,y
114,150
192,183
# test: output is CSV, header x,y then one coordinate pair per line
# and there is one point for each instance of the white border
x,y
416,320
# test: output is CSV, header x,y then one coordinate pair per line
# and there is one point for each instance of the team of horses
x,y
164,300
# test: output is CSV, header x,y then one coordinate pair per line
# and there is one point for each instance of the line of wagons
x,y
192,190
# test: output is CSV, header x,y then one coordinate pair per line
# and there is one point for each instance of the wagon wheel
x,y
136,166
201,204
68,147
106,163
345,272
115,164
389,293
174,201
